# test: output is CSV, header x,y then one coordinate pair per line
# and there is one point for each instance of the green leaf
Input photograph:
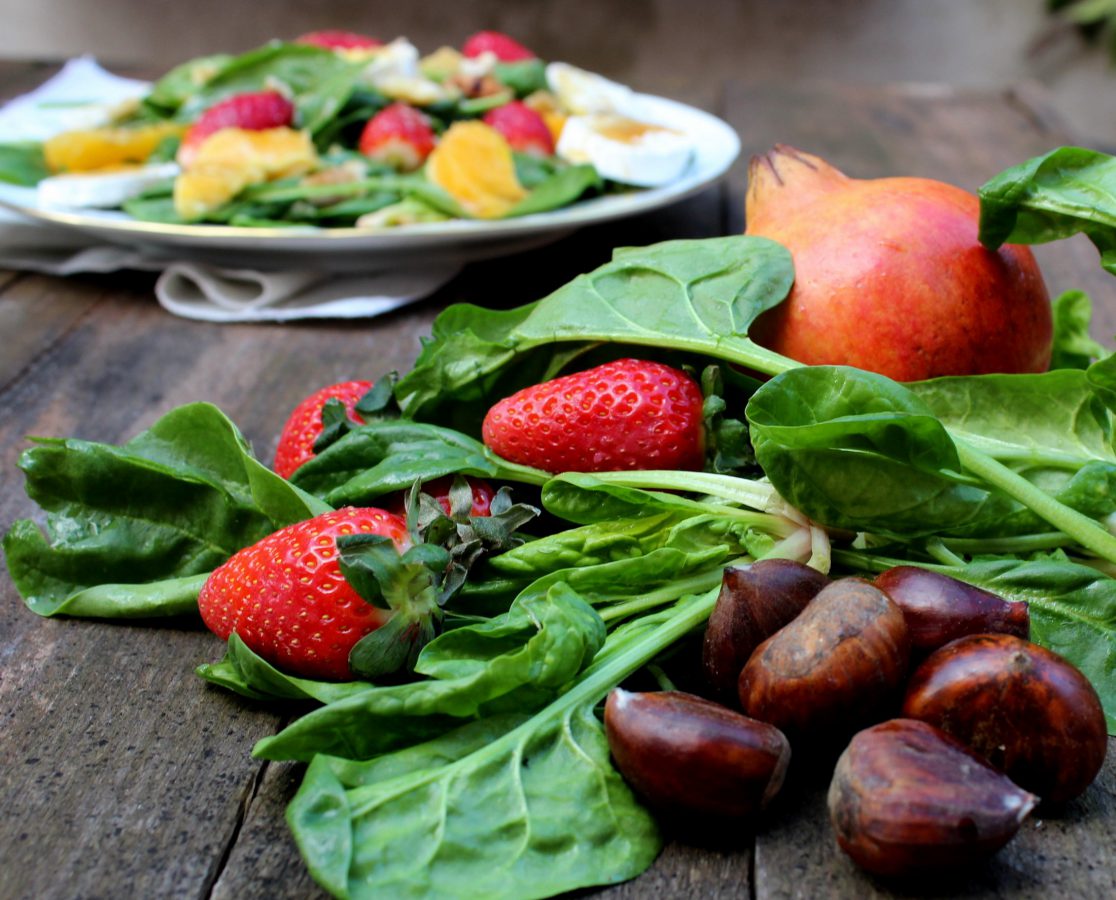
x,y
23,163
392,455
1074,348
852,449
500,807
490,810
250,675
172,90
1067,191
1053,419
696,296
174,502
524,76
558,190
532,650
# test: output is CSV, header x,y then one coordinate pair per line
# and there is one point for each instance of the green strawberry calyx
x,y
415,585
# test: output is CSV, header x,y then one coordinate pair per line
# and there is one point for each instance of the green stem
x,y
754,494
695,584
1077,525
1014,546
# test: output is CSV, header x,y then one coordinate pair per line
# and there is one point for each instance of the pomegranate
x,y
890,276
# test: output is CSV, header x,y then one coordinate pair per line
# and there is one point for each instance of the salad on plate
x,y
336,129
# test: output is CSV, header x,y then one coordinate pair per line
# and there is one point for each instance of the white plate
x,y
358,248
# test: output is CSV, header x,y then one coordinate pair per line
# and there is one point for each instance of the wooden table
x,y
122,774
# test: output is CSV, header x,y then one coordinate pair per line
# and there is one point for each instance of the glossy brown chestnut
x,y
940,609
1023,708
682,752
907,798
755,602
838,666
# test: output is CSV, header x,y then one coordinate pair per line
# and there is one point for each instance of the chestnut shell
x,y
940,609
755,602
684,753
838,666
907,798
1022,707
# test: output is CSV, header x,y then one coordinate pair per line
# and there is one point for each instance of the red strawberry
x,y
253,111
506,49
627,414
439,489
335,39
286,598
296,442
398,135
522,127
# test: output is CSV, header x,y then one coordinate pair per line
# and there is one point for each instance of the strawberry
x,y
627,414
252,111
335,39
398,135
287,599
304,426
523,128
504,48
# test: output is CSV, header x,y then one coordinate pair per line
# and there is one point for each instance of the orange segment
x,y
473,163
233,158
102,148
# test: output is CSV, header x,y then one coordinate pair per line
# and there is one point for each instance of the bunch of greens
x,y
488,774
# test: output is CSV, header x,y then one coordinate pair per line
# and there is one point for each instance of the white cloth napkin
x,y
82,95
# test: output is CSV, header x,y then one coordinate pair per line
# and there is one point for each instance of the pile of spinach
x,y
490,771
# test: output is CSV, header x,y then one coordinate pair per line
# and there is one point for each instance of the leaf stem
x,y
1077,525
754,494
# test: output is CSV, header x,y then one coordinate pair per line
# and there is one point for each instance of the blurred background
x,y
966,43
977,44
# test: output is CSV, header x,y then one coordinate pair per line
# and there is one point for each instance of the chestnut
x,y
940,609
684,753
1021,707
755,602
838,666
907,798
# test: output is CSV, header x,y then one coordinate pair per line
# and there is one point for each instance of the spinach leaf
x,y
391,455
172,503
493,801
23,163
153,209
523,76
697,296
1074,348
855,450
173,89
521,659
558,190
496,808
1052,419
1067,191
250,675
